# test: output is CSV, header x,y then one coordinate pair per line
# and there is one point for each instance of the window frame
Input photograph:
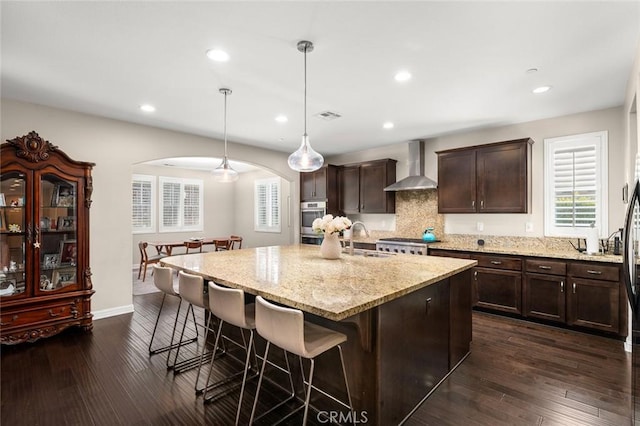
x,y
268,227
152,207
180,227
600,141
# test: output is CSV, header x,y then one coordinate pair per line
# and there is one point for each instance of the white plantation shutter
x,y
181,203
143,191
575,184
267,205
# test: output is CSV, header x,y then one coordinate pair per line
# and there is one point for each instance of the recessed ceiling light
x,y
217,55
147,108
282,118
541,89
403,76
388,125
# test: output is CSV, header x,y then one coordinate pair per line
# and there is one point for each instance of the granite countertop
x,y
525,250
297,276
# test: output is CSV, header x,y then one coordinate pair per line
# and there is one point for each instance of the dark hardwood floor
x,y
517,374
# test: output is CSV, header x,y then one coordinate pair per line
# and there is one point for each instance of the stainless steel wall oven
x,y
310,211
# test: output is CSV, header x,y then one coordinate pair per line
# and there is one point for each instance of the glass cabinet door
x,y
57,224
13,234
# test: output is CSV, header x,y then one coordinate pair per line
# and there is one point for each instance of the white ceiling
x,y
468,61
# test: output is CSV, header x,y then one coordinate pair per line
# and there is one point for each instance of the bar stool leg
x,y
308,398
244,377
255,400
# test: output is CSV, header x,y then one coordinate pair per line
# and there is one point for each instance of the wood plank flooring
x,y
517,374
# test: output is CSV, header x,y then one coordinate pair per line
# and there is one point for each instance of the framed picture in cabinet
x,y
66,223
63,196
62,277
3,221
68,252
50,261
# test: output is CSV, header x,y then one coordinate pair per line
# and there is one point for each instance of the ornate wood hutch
x,y
45,277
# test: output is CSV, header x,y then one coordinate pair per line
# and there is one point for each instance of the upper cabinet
x,y
319,185
45,278
493,178
361,187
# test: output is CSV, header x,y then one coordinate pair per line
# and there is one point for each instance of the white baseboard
x,y
112,312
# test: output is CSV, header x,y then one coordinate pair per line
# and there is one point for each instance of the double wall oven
x,y
310,211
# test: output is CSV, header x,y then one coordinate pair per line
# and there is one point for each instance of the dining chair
x,y
193,245
221,245
145,259
286,328
236,240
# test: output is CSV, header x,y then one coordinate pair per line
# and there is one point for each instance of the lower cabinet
x,y
586,295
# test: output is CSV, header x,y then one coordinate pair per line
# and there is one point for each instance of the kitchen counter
x,y
297,276
524,250
405,317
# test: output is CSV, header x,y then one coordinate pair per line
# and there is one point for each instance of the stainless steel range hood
x,y
416,178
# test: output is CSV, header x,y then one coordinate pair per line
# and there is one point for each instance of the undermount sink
x,y
369,253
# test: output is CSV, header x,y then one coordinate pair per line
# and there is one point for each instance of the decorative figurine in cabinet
x,y
45,277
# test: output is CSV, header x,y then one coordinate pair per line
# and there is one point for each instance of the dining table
x,y
166,247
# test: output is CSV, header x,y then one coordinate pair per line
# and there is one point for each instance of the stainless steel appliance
x,y
631,262
310,211
403,245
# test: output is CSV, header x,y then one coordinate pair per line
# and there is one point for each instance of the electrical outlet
x,y
480,226
528,227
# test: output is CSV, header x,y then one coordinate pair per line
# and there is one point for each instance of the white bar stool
x,y
287,329
228,306
191,289
163,280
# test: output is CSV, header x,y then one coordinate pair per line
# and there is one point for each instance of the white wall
x,y
115,146
514,224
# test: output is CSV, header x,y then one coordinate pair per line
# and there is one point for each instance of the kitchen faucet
x,y
353,228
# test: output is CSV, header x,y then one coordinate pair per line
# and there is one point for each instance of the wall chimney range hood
x,y
416,179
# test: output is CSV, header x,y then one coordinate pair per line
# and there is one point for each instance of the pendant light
x,y
305,159
224,172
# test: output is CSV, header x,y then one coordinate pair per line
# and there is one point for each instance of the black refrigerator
x,y
631,257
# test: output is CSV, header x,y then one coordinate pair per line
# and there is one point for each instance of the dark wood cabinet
x,y
361,187
585,295
320,185
594,297
545,289
493,178
460,330
45,282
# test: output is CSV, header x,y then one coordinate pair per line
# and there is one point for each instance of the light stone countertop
x,y
524,250
297,276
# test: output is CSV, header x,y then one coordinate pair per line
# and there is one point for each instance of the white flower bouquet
x,y
331,225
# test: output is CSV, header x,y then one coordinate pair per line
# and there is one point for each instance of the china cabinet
x,y
45,278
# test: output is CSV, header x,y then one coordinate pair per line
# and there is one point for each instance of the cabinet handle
x,y
561,286
482,204
473,204
592,272
545,267
13,318
574,288
475,275
427,303
496,262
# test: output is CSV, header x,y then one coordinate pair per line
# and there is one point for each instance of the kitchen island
x,y
407,318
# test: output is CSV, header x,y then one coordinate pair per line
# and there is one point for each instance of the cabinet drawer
x,y
499,262
545,266
594,271
38,315
449,253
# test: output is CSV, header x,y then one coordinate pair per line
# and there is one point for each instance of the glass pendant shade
x,y
224,172
305,158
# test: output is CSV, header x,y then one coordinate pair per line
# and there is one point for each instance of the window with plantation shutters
x,y
267,205
576,184
143,199
181,202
